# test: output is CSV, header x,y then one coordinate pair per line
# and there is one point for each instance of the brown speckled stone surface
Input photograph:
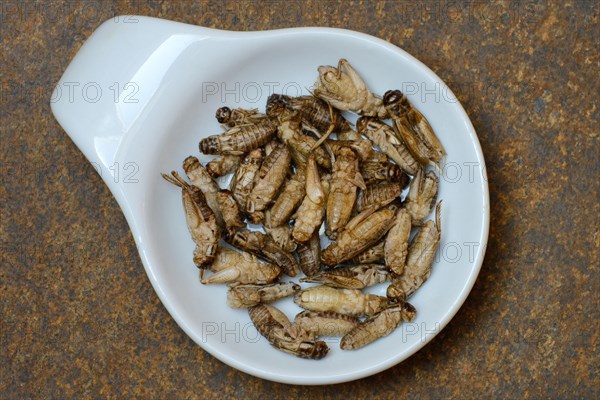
x,y
79,317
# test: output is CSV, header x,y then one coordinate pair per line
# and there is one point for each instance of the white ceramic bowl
x,y
142,92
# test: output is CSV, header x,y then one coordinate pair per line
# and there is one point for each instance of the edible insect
x,y
378,196
372,255
384,136
263,246
351,277
282,235
363,148
377,326
317,324
278,105
289,199
344,89
300,145
318,113
202,179
244,296
309,216
313,111
421,196
309,255
223,165
239,139
413,128
267,182
420,257
238,116
276,328
396,242
313,188
230,210
350,135
201,221
342,191
234,266
351,302
378,168
361,232
243,180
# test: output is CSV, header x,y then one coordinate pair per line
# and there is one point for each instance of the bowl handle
x,y
111,80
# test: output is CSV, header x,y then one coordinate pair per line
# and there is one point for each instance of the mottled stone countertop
x,y
79,317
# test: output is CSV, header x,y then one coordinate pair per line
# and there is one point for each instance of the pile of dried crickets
x,y
290,176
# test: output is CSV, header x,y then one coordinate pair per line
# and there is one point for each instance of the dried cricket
x,y
223,165
372,255
289,199
282,235
413,128
384,136
230,210
202,179
345,90
233,266
361,232
277,105
378,168
421,196
396,242
420,257
319,114
276,328
351,277
239,139
351,302
201,221
378,196
313,111
244,296
300,145
267,182
238,116
243,180
313,189
377,326
309,255
317,324
350,135
342,191
310,213
263,246
362,148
